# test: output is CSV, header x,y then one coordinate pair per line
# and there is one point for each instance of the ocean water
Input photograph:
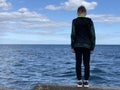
x,y
24,66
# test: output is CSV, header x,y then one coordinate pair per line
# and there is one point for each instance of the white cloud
x,y
4,5
72,5
105,38
24,19
104,18
23,10
52,7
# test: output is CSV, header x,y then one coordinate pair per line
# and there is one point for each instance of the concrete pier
x,y
64,87
4,88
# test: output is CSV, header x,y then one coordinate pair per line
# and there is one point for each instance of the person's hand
x,y
73,51
91,52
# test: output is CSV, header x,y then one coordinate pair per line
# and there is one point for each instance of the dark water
x,y
24,66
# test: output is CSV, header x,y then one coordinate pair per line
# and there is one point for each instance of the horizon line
x,y
50,44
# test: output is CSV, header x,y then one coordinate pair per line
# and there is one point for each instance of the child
x,y
82,44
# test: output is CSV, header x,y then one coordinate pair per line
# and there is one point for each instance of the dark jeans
x,y
82,54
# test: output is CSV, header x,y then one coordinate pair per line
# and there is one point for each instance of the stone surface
x,y
4,88
64,87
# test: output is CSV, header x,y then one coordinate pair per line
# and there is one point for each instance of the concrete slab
x,y
64,87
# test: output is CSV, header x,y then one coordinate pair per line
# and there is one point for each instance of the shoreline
x,y
72,87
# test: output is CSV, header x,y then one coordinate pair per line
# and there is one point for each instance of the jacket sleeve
x,y
93,36
72,35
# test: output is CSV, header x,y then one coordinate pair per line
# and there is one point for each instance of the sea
x,y
25,66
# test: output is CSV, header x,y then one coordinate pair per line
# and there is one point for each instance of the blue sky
x,y
49,21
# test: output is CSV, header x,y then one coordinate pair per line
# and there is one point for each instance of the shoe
x,y
86,84
79,84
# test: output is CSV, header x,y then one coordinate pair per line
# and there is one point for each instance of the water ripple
x,y
23,66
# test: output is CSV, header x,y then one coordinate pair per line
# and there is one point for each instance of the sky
x,y
49,21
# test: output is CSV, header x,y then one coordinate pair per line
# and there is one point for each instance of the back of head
x,y
81,10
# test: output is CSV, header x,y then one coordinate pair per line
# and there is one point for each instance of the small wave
x,y
67,74
117,57
97,70
97,77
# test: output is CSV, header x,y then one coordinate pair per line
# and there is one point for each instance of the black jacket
x,y
83,33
